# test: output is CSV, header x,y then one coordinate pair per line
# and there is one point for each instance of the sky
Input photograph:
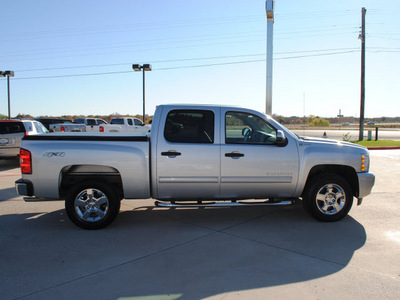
x,y
75,57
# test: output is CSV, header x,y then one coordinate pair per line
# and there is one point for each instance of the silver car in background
x,y
11,133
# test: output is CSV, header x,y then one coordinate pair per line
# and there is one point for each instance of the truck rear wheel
x,y
328,198
92,204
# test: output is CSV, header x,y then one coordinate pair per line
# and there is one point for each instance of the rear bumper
x,y
365,182
9,152
24,187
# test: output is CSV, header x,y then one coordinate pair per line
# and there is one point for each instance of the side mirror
x,y
245,131
281,139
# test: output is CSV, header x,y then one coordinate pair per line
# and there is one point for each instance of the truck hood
x,y
323,141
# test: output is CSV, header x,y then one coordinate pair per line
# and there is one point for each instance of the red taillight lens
x,y
101,128
25,161
62,128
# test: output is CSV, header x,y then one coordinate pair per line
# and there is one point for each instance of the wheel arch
x,y
72,174
348,173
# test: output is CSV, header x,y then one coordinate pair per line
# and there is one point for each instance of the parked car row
x,y
12,131
119,124
83,125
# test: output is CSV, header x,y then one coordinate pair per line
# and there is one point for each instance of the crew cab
x,y
194,154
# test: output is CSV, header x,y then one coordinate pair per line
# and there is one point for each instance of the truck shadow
x,y
7,194
179,253
8,164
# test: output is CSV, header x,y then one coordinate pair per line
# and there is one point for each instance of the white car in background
x,y
131,124
11,133
85,125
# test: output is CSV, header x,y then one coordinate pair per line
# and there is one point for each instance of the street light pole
x,y
8,74
269,7
144,98
2,74
362,96
137,68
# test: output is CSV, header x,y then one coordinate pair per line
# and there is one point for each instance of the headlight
x,y
364,163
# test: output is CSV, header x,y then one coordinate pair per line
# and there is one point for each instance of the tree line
x,y
73,117
311,120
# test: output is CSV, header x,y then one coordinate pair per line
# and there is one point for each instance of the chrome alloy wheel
x,y
91,205
330,199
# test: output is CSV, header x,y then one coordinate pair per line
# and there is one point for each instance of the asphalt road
x,y
241,253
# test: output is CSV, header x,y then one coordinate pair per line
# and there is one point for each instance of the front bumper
x,y
365,182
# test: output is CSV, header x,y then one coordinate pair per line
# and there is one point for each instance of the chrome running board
x,y
222,204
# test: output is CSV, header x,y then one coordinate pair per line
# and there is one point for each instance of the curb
x,y
384,148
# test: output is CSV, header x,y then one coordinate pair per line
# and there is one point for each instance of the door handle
x,y
234,154
171,153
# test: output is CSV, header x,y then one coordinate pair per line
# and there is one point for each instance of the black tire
x,y
328,198
92,204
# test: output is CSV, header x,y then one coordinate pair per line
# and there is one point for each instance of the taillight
x,y
25,161
101,128
62,128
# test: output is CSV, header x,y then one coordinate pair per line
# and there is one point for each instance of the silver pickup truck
x,y
195,155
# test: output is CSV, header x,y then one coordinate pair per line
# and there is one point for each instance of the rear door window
x,y
190,126
117,121
11,127
91,122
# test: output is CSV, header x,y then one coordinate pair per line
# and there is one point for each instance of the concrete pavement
x,y
237,253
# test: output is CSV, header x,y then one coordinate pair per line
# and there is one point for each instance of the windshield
x,y
284,128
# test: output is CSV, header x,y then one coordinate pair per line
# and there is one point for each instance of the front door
x,y
252,164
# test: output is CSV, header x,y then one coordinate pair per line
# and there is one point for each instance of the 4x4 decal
x,y
54,154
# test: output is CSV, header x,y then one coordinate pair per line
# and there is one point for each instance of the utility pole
x,y
362,106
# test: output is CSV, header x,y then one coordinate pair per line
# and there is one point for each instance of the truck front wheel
x,y
92,204
328,198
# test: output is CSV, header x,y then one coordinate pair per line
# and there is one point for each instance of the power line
x,y
188,67
76,31
129,27
186,44
336,50
153,61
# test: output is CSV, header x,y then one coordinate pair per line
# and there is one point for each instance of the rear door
x,y
188,154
